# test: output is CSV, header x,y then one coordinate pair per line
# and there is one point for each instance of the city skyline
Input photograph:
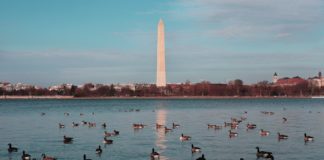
x,y
47,43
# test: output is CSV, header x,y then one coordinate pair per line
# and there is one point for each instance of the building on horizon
x,y
275,78
287,81
317,81
60,87
160,66
6,86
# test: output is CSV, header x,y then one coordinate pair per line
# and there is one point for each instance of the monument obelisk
x,y
160,69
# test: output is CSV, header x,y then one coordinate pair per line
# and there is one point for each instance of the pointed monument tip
x,y
160,21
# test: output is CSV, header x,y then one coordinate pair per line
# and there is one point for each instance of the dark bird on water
x,y
67,139
174,125
45,157
202,157
104,125
184,138
282,136
284,119
25,156
12,149
154,154
195,148
99,150
107,141
308,138
264,154
85,157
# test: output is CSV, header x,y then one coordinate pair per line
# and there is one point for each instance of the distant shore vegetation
x,y
205,88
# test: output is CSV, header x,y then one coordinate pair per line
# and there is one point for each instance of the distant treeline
x,y
205,88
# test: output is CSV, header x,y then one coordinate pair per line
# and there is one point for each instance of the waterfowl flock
x,y
233,125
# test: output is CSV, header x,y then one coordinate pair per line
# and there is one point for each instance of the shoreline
x,y
155,97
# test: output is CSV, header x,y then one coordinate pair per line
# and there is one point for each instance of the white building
x,y
22,86
60,87
15,87
119,87
7,87
317,81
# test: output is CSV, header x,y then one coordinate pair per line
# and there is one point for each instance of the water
x,y
22,125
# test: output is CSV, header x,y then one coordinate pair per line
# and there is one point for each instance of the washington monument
x,y
160,69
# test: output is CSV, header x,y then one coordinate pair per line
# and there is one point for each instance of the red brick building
x,y
286,81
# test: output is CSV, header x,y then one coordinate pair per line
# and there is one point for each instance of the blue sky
x,y
48,42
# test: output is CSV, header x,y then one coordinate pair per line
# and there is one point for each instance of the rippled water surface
x,y
22,125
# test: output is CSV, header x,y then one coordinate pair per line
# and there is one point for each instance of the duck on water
x,y
264,154
12,149
25,156
154,154
202,157
195,149
45,157
308,138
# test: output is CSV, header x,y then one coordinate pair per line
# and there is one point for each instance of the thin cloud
x,y
61,53
253,18
283,35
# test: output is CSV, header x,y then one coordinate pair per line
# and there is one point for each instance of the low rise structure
x,y
317,81
15,87
275,78
286,81
60,87
119,87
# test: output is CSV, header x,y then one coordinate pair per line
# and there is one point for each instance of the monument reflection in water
x,y
161,115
